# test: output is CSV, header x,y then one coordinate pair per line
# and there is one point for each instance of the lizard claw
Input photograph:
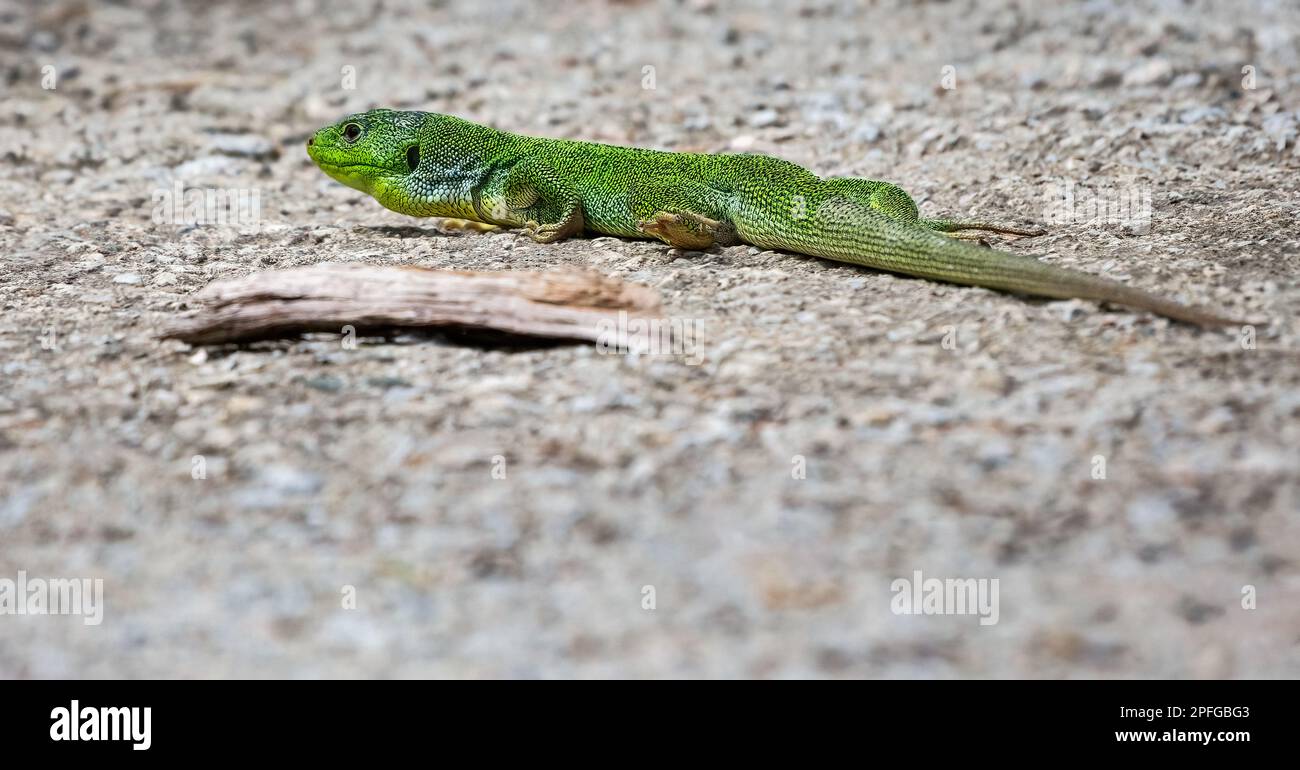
x,y
549,233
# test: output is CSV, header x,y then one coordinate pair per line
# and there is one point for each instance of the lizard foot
x,y
452,223
548,233
950,227
975,237
688,231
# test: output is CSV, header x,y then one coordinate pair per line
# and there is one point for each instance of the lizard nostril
x,y
310,139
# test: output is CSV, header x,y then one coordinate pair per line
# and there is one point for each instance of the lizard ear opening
x,y
413,157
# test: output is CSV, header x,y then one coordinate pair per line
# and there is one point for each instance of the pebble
x,y
765,119
1153,72
91,262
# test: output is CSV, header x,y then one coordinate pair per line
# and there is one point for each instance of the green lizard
x,y
430,165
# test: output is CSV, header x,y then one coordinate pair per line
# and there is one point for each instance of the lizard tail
x,y
847,231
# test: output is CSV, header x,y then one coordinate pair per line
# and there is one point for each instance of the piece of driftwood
x,y
561,304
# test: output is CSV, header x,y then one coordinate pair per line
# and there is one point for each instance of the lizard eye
x,y
413,156
351,132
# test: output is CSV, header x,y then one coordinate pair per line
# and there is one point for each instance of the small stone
x,y
698,122
239,405
1201,114
387,382
164,279
45,41
325,384
1106,79
1032,81
743,142
1195,611
765,118
127,278
276,485
1073,310
867,132
1155,72
91,262
1152,517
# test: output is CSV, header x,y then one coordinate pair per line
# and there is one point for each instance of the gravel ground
x,y
421,506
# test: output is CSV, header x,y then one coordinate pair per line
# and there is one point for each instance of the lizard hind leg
x,y
889,199
686,230
892,201
950,226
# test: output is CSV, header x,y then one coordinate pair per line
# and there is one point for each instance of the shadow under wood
x,y
482,339
488,340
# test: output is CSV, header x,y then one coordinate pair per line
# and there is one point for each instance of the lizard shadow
x,y
401,231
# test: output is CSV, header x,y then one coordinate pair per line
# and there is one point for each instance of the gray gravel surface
x,y
515,511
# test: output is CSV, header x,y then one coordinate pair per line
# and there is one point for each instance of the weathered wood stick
x,y
562,304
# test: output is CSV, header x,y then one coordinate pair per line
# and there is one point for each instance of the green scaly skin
x,y
431,165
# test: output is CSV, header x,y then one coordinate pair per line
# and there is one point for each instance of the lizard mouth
x,y
321,158
358,176
366,177
328,165
341,170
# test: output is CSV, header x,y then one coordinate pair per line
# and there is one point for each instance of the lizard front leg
x,y
545,202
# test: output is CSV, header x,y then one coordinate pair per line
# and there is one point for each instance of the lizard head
x,y
373,151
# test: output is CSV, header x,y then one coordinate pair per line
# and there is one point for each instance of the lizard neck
x,y
457,162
